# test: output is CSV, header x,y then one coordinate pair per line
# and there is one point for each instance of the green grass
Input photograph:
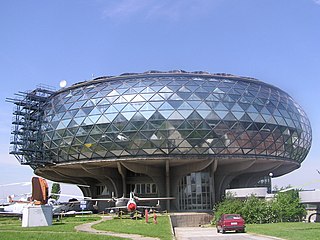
x,y
288,230
161,230
10,229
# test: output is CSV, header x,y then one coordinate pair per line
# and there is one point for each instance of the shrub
x,y
285,206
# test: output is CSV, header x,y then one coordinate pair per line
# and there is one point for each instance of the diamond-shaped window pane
x,y
147,114
147,107
185,113
166,106
176,116
166,113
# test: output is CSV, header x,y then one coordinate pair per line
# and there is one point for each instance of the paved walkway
x,y
182,233
210,233
87,227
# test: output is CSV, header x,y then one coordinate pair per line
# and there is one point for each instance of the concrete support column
x,y
317,218
123,172
226,173
156,173
86,191
103,175
213,169
168,182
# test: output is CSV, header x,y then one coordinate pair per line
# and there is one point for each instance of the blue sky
x,y
44,42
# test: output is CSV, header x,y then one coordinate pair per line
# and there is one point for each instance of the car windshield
x,y
232,217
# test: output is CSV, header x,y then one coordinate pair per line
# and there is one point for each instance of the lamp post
x,y
271,175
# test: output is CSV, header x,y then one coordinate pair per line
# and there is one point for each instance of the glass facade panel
x,y
183,114
194,192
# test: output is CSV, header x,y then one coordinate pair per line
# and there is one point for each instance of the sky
x,y
45,42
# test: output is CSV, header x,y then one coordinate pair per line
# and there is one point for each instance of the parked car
x,y
230,222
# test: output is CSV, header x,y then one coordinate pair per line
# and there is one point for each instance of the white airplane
x,y
14,204
39,196
14,207
125,205
131,205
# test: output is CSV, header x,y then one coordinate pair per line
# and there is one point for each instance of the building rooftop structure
x,y
184,134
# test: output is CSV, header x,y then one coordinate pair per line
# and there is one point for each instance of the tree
x,y
55,189
255,210
285,206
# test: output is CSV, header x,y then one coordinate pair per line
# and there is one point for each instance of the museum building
x,y
188,135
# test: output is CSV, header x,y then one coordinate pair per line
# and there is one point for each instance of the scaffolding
x,y
27,138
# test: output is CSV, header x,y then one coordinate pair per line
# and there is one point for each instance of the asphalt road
x,y
206,233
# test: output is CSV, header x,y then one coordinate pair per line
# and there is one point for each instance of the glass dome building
x,y
189,135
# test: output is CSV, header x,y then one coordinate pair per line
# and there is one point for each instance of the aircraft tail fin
x,y
40,190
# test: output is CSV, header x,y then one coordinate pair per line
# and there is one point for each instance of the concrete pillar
x,y
213,169
123,172
226,172
168,182
156,173
317,219
102,175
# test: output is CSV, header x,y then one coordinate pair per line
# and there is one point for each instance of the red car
x,y
230,222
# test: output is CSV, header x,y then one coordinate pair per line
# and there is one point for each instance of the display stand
x,y
36,216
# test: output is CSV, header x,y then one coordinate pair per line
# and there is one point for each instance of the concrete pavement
x,y
87,227
181,233
208,233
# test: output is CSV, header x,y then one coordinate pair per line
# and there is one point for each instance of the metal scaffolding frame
x,y
27,140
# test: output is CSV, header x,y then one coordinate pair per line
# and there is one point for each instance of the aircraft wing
x,y
125,209
117,209
154,198
140,207
120,207
85,198
10,214
100,199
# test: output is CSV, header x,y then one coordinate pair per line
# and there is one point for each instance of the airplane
x,y
12,198
13,207
39,196
131,205
126,205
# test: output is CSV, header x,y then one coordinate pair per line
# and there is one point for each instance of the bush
x,y
287,207
284,207
255,210
229,205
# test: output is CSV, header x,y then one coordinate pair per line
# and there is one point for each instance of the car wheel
x,y
223,231
218,230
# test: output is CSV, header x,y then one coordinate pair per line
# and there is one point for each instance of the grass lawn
x,y
10,229
161,230
290,231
